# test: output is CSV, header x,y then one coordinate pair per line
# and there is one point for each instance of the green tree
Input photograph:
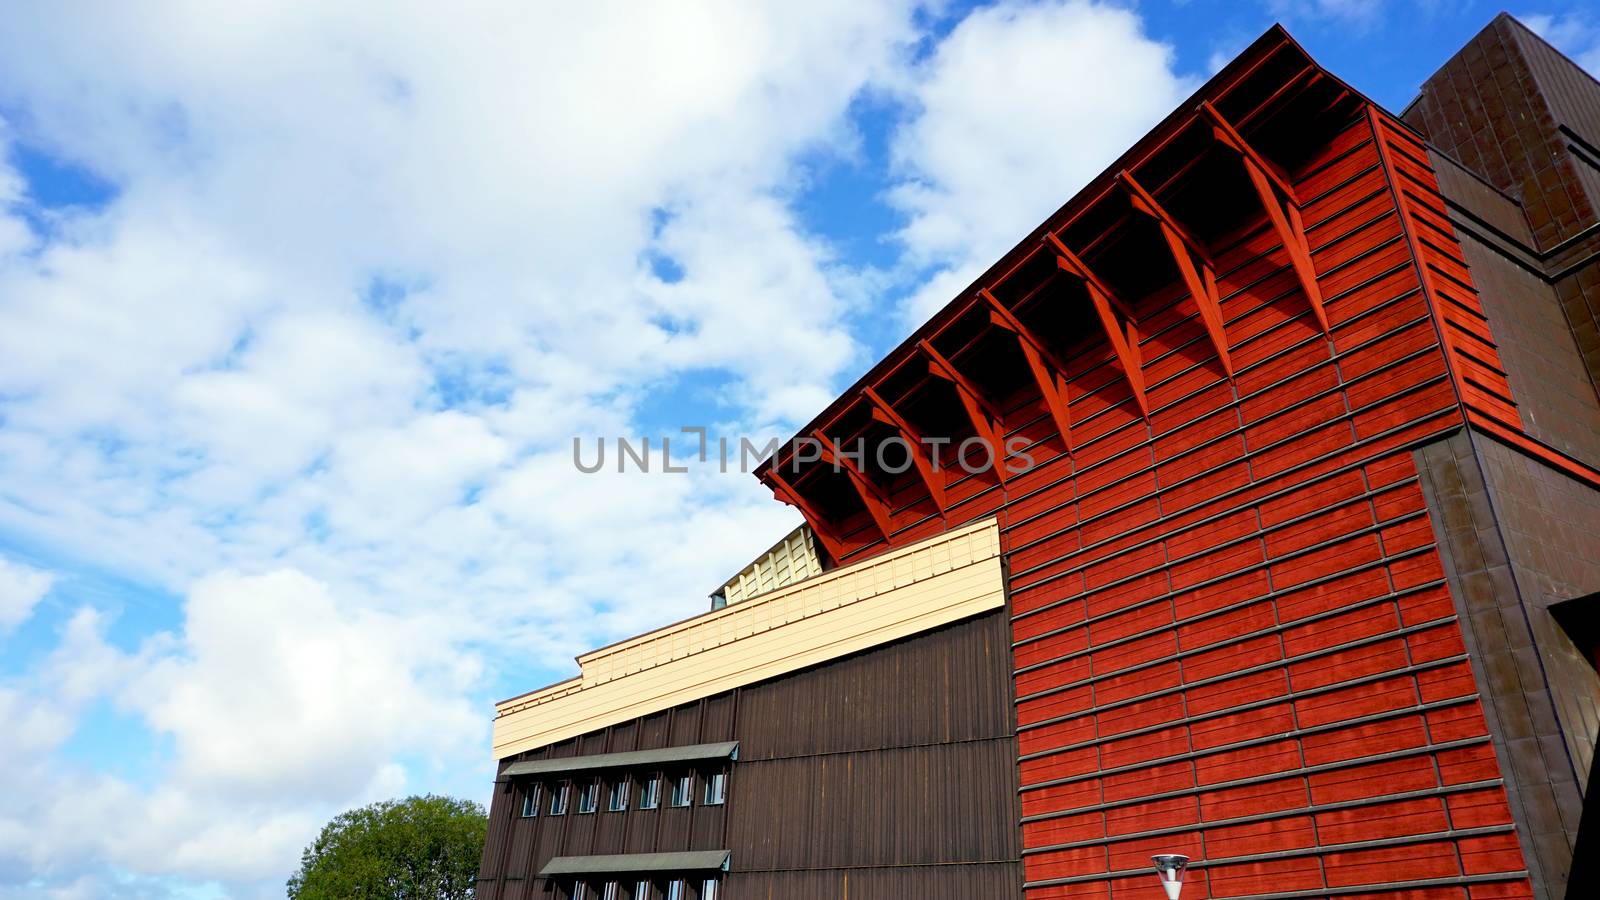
x,y
419,848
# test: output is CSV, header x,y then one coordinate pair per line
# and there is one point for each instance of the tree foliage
x,y
419,848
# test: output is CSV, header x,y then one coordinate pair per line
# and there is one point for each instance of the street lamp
x,y
1171,866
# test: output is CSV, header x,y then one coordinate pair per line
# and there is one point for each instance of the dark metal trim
x,y
725,750
682,861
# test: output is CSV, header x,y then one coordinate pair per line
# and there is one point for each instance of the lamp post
x,y
1170,867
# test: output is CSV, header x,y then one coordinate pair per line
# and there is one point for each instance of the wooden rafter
x,y
926,467
1047,369
1194,264
877,505
819,525
1282,205
985,418
1123,333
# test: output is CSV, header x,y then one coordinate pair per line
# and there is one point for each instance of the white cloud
x,y
15,235
1015,113
277,691
316,366
21,589
280,705
1575,35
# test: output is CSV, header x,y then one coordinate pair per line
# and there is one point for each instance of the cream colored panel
x,y
940,580
793,559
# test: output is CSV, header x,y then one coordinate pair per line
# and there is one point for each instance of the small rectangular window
x,y
681,788
530,802
618,800
708,890
641,891
580,891
676,889
650,793
558,800
612,892
588,797
716,789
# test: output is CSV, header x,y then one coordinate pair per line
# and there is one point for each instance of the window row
x,y
554,799
647,889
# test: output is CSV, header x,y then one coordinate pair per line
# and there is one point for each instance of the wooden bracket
x,y
926,467
1123,334
986,420
819,526
1277,196
1046,368
877,505
1194,264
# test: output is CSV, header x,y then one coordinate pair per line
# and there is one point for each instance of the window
x,y
589,797
681,786
650,793
558,800
708,890
530,802
612,891
716,789
580,891
641,891
618,801
676,889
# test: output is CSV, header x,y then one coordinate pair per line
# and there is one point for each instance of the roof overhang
x,y
1107,248
686,861
631,759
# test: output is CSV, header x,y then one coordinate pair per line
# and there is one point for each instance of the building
x,y
1299,577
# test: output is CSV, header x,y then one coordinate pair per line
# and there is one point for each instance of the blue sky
x,y
301,309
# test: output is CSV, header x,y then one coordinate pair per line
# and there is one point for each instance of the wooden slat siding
x,y
1099,406
1233,637
1476,368
1518,115
1475,362
892,771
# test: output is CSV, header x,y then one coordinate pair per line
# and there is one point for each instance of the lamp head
x,y
1171,868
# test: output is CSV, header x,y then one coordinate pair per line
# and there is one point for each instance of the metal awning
x,y
690,861
626,760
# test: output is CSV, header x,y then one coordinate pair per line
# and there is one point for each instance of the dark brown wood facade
x,y
889,773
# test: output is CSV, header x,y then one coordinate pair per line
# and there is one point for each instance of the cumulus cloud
x,y
279,702
1013,115
1573,34
21,588
315,362
206,365
274,690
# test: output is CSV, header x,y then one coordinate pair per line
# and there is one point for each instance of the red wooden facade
x,y
1233,633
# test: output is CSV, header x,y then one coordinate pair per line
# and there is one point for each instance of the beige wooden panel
x,y
792,559
940,580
